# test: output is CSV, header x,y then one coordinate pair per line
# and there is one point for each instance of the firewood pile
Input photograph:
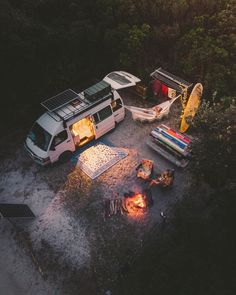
x,y
115,207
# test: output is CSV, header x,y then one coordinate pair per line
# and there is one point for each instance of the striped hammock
x,y
151,114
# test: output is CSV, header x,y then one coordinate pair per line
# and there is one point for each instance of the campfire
x,y
132,204
136,204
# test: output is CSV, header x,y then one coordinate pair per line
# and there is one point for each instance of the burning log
x,y
136,204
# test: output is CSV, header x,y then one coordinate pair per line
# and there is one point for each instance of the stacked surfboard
x,y
170,144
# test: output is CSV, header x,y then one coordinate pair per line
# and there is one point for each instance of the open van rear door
x,y
120,80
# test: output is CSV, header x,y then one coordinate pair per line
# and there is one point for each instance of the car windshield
x,y
40,137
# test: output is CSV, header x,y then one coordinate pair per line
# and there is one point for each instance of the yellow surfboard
x,y
191,107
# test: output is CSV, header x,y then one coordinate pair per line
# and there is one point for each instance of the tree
x,y
214,152
133,53
207,51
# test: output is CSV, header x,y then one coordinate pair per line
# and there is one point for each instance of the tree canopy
x,y
50,45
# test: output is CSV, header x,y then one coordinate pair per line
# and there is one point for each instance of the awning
x,y
171,80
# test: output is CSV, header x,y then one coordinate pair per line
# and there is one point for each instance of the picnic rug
x,y
97,158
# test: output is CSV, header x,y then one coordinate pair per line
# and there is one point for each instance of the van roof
x,y
68,103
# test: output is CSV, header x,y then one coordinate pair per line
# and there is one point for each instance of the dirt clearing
x,y
79,252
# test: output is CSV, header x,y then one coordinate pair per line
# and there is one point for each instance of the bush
x,y
214,152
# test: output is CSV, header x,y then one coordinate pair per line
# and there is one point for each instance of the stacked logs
x,y
115,207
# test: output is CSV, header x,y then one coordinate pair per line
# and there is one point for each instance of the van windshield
x,y
40,137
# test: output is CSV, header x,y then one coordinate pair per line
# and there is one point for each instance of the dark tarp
x,y
15,210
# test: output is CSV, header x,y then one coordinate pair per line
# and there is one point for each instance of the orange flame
x,y
136,205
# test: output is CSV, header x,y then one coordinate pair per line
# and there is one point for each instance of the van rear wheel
x,y
64,157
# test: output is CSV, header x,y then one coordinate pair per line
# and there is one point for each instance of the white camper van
x,y
72,120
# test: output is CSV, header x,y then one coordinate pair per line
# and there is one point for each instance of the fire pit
x,y
132,204
136,204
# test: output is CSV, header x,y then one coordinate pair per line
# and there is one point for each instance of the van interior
x,y
82,131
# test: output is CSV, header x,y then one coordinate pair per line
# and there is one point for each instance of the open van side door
x,y
103,121
60,143
120,80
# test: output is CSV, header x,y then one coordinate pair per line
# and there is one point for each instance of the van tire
x,y
64,157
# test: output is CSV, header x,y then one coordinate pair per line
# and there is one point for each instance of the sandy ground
x,y
78,252
18,275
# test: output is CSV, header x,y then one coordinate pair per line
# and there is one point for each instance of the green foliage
x,y
214,152
135,41
209,50
50,45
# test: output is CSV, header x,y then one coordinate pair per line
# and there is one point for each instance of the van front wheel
x,y
64,157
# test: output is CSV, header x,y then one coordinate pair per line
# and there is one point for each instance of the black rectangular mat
x,y
15,210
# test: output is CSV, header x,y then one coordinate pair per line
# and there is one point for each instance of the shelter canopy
x,y
171,80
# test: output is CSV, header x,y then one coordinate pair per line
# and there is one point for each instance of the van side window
x,y
59,138
116,105
105,113
96,118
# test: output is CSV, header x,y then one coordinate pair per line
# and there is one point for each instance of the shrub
x,y
214,151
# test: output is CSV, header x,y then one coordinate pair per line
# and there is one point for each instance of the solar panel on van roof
x,y
68,103
97,91
59,100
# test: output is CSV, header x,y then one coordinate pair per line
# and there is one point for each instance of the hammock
x,y
155,113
